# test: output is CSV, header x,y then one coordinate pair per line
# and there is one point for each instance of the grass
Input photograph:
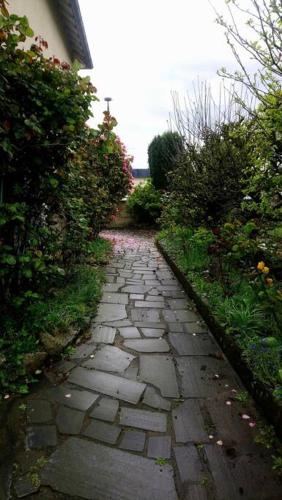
x,y
70,303
233,301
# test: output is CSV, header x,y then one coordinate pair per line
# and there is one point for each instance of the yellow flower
x,y
269,281
261,265
265,270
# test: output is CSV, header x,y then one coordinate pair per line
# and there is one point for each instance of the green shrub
x,y
163,153
145,203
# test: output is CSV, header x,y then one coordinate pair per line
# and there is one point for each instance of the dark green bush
x,y
163,153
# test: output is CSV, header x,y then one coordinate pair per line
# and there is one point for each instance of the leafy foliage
x,y
59,180
145,203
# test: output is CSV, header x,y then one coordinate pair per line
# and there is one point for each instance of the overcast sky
x,y
142,51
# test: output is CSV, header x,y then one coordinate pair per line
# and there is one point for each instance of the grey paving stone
x,y
152,332
41,436
159,446
102,432
136,296
154,298
69,421
103,334
159,370
111,287
125,274
110,278
118,324
148,324
188,423
115,298
133,440
64,366
153,283
203,377
185,344
136,289
143,419
228,426
106,409
175,327
111,385
24,487
129,332
110,312
169,316
196,492
198,327
153,399
132,371
174,294
175,287
83,351
110,359
186,316
120,280
38,411
188,463
147,345
148,315
73,398
150,304
225,485
178,303
92,471
154,292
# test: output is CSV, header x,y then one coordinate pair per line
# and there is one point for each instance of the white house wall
x,y
45,21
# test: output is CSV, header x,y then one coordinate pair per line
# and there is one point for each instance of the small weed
x,y
265,435
35,479
199,446
242,397
277,463
161,461
22,407
205,481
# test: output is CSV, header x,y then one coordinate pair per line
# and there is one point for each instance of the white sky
x,y
142,50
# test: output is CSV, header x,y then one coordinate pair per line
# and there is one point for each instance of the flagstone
x,y
133,440
152,332
102,431
189,345
159,447
106,409
110,312
69,421
153,399
110,359
103,334
130,332
108,384
114,298
159,370
72,397
90,470
143,419
188,423
147,345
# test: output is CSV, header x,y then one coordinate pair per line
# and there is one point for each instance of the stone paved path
x,y
146,408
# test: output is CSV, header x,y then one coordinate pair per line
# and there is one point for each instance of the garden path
x,y
146,408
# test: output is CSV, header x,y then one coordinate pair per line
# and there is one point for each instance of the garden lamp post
x,y
108,100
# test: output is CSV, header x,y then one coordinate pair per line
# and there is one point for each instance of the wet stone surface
x,y
110,359
139,411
